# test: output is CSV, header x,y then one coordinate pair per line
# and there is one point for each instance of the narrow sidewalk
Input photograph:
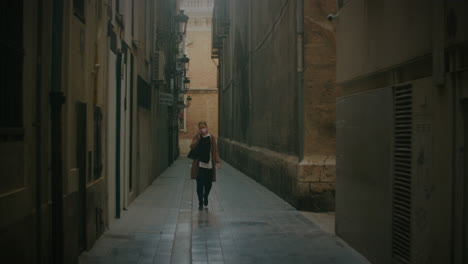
x,y
244,223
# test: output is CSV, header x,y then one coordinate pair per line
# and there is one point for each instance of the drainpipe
x,y
57,99
250,74
118,74
38,126
300,77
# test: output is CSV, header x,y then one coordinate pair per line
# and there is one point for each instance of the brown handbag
x,y
193,154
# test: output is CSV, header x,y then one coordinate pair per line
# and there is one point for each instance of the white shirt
x,y
208,165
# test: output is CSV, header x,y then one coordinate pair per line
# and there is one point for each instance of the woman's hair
x,y
202,123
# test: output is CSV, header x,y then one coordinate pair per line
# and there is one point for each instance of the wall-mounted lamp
x,y
182,20
184,60
186,84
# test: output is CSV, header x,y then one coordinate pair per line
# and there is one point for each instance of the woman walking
x,y
204,168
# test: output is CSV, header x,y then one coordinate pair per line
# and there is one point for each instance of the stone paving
x,y
244,223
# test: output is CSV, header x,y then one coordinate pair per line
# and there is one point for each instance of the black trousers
x,y
204,182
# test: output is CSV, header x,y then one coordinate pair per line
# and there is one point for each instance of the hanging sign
x,y
166,99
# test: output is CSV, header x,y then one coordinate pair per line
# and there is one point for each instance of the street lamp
x,y
182,20
184,60
165,36
186,84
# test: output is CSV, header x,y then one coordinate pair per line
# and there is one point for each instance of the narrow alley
x,y
234,131
244,223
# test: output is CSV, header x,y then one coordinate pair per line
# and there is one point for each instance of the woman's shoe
x,y
200,207
206,202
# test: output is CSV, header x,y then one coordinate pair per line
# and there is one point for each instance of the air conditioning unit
x,y
158,66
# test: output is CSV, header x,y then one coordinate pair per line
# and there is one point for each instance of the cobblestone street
x,y
244,223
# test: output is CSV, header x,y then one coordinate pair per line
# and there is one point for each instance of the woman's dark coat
x,y
214,157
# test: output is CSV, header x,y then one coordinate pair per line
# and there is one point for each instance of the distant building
x,y
202,72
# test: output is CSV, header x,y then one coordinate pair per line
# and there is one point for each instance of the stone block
x,y
318,169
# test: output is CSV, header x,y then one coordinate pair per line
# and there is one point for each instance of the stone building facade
x,y
79,119
277,95
202,72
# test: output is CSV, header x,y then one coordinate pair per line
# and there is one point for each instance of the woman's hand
x,y
195,141
218,164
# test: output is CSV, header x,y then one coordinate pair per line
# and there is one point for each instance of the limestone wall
x,y
260,99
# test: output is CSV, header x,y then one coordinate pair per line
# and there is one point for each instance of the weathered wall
x,y
318,174
17,147
273,73
202,70
320,90
258,93
258,64
26,229
260,97
84,46
88,76
204,107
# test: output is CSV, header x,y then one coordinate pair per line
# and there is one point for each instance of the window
x,y
79,9
11,70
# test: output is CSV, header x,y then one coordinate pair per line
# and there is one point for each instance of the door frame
x,y
81,164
